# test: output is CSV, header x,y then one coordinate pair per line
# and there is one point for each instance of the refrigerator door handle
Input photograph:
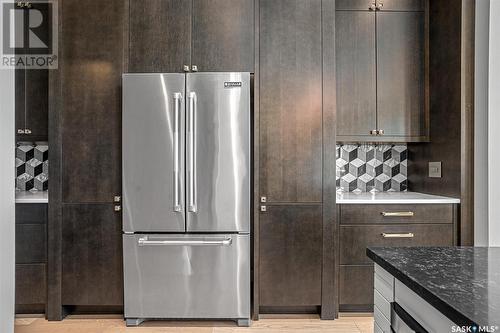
x,y
192,152
144,241
177,149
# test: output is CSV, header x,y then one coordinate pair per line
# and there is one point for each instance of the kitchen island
x,y
443,289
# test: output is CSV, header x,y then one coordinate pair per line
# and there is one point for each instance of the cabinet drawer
x,y
31,213
385,289
31,243
380,320
356,288
31,284
389,214
382,304
355,239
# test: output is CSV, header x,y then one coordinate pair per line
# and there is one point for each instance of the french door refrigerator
x,y
186,196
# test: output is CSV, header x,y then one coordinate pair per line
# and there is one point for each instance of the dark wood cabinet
x,y
290,101
403,5
32,91
295,125
85,252
92,258
363,226
400,74
31,258
90,101
31,288
356,73
290,256
396,5
382,78
354,4
223,35
356,287
214,36
159,35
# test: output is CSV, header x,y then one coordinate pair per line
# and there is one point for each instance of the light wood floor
x,y
271,324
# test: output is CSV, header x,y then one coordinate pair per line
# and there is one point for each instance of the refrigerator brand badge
x,y
232,84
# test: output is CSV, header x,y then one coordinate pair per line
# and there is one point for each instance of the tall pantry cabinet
x,y
295,192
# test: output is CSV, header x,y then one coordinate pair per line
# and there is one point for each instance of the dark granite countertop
x,y
463,283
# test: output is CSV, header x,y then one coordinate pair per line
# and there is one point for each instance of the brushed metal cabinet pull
x,y
397,214
398,235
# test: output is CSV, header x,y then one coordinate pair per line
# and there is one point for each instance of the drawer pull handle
x,y
144,241
405,235
393,214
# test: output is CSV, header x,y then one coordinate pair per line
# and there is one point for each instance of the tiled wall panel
x,y
368,167
32,166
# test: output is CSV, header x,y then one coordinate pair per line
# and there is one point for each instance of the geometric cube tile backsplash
x,y
32,166
370,167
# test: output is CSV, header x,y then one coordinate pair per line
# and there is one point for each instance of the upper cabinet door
x,y
401,73
356,73
354,4
159,35
400,5
90,102
37,102
290,101
223,35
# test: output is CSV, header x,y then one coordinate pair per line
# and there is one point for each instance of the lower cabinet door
x,y
356,288
31,284
187,276
290,256
92,261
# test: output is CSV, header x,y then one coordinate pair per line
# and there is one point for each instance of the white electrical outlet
x,y
435,169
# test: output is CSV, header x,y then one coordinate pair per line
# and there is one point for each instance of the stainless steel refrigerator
x,y
186,196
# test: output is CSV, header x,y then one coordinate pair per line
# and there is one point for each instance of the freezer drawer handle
x,y
192,153
404,235
144,241
177,144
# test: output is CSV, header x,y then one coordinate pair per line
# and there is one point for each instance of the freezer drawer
x,y
187,276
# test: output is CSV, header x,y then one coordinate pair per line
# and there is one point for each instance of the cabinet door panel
x,y
223,35
353,4
290,256
356,73
401,73
159,35
20,91
356,288
290,101
37,102
92,264
31,284
31,243
403,5
90,106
